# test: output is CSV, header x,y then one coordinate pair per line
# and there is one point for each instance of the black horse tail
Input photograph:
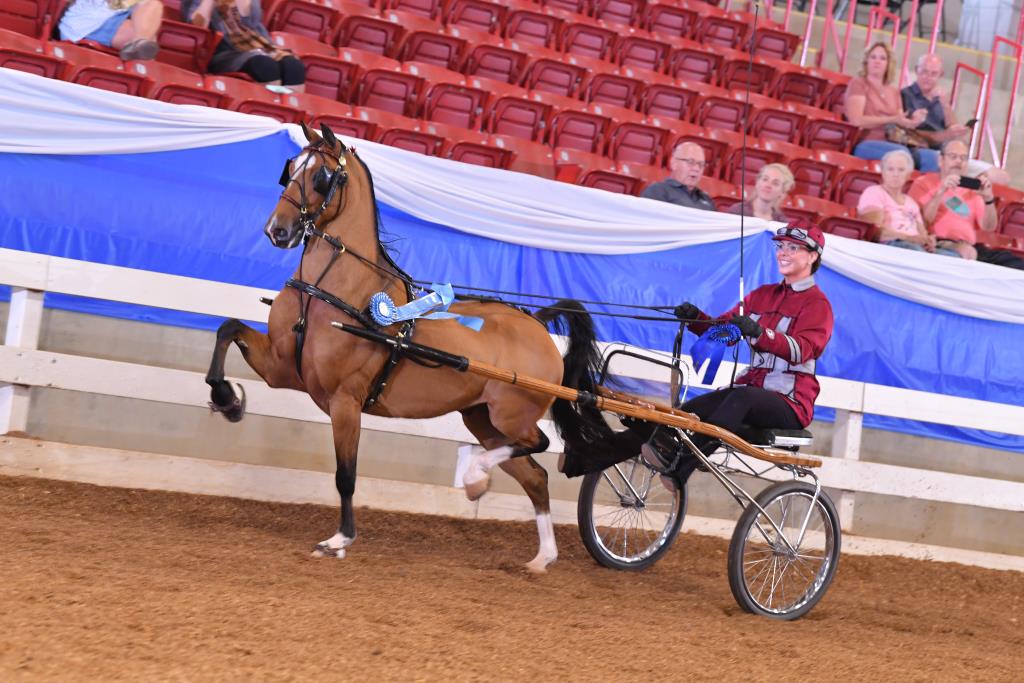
x,y
590,442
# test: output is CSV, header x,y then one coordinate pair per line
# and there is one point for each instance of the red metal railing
x,y
983,80
1018,52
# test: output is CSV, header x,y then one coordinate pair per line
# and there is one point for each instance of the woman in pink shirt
x,y
897,216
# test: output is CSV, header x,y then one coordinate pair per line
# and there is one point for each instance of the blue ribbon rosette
x,y
711,347
433,306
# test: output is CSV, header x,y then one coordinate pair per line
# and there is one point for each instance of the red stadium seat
x,y
637,143
185,45
454,105
739,70
580,130
389,91
669,20
470,147
431,47
527,157
28,17
773,43
573,164
813,176
1011,220
535,28
368,60
617,114
495,62
720,111
850,183
846,226
722,30
331,77
357,123
995,240
519,117
426,8
834,99
812,208
175,85
554,76
618,11
587,40
645,173
695,64
302,45
414,141
25,53
576,6
777,124
673,101
486,16
797,84
734,170
96,69
621,91
830,133
612,181
252,98
369,33
643,52
722,192
303,18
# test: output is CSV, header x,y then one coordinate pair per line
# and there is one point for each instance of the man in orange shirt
x,y
953,213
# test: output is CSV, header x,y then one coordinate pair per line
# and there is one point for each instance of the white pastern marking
x,y
338,541
546,531
482,462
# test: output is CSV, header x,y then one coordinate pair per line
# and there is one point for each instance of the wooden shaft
x,y
652,412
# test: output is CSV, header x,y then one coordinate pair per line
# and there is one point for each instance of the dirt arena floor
x,y
113,584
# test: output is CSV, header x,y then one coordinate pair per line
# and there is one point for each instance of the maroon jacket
x,y
797,324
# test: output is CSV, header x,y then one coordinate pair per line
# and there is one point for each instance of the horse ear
x,y
305,131
328,135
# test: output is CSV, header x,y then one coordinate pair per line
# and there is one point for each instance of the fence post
x,y
846,444
24,320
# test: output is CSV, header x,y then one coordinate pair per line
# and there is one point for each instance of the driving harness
x,y
327,183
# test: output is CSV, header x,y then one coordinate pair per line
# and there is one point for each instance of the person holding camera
x,y
953,205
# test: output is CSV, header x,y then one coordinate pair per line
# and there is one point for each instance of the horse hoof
x,y
476,489
324,550
538,565
233,411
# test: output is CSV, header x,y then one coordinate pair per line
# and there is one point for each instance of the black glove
x,y
748,326
687,311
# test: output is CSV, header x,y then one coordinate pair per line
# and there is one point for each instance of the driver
x,y
788,325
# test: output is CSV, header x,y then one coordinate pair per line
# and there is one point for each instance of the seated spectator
x,y
126,25
897,216
954,213
774,181
686,167
940,124
875,105
246,45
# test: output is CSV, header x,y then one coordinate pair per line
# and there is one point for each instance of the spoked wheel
x,y
775,579
627,517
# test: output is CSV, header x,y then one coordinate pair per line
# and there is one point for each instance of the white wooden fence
x,y
23,365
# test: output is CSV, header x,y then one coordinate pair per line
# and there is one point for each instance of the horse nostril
x,y
280,233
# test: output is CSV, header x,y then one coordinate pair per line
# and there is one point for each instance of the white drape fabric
x,y
42,116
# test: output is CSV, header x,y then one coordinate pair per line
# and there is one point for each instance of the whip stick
x,y
603,399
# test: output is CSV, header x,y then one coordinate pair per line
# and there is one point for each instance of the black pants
x,y
732,409
289,70
999,257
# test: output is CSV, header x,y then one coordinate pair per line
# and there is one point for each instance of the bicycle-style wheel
x,y
628,518
771,577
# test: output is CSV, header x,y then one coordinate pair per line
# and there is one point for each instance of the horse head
x,y
314,187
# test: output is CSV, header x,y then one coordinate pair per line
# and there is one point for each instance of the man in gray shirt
x,y
687,168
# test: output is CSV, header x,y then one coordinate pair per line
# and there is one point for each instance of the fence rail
x,y
23,365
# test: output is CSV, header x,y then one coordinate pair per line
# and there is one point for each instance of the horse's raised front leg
x,y
256,350
345,420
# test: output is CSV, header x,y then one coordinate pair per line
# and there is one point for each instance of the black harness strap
x,y
405,331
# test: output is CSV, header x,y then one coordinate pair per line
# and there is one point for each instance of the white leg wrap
x,y
548,551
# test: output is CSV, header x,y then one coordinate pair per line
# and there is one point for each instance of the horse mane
x,y
385,248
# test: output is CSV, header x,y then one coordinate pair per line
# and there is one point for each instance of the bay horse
x,y
328,205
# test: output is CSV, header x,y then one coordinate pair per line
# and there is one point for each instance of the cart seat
x,y
777,438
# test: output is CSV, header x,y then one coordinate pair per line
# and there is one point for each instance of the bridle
x,y
326,183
